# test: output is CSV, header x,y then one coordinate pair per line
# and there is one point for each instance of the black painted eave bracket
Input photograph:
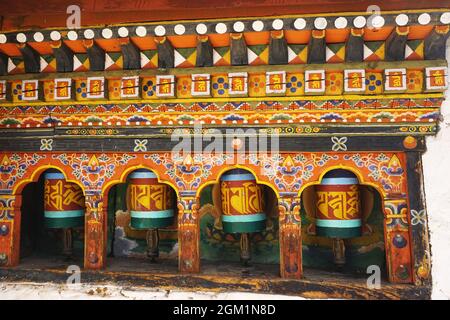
x,y
31,58
204,53
166,53
317,47
396,44
131,55
96,55
64,57
238,50
278,48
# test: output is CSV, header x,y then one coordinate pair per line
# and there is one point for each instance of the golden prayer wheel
x,y
241,203
63,202
151,204
338,213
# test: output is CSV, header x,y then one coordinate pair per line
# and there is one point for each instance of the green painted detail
x,y
244,227
63,214
147,223
245,218
353,223
56,223
342,233
151,214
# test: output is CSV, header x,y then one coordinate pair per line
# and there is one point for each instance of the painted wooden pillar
x,y
290,237
397,240
95,230
10,215
188,234
419,221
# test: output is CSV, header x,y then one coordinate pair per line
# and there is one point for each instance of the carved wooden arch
x,y
125,173
17,193
392,208
226,168
37,172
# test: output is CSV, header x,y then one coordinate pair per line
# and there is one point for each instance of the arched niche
x,y
126,242
51,219
218,247
360,252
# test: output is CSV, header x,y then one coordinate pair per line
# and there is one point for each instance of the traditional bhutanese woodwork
x,y
304,135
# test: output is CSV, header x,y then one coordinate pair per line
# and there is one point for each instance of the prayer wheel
x,y
63,202
151,202
241,203
338,205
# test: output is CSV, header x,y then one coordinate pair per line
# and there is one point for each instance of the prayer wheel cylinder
x,y
151,202
338,205
241,203
63,202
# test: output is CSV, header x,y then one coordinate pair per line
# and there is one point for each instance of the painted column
x,y
95,230
188,233
398,241
290,236
419,220
10,215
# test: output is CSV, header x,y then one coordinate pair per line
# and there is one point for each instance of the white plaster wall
x,y
436,166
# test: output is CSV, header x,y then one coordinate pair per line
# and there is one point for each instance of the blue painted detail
x,y
64,214
339,181
237,177
142,175
151,214
353,223
245,218
54,176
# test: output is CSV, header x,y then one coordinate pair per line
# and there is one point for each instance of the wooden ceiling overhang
x,y
354,31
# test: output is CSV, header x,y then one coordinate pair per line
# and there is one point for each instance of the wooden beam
x,y
204,52
434,45
396,44
317,47
354,48
166,56
63,55
3,64
278,49
31,58
408,64
131,54
96,55
238,50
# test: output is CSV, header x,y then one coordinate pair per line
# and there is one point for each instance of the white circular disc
x,y
221,28
201,28
445,18
3,38
38,37
258,25
424,19
377,21
238,26
107,33
359,22
299,23
72,35
21,37
89,34
141,31
320,23
401,20
55,35
160,31
179,29
340,23
123,32
277,24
